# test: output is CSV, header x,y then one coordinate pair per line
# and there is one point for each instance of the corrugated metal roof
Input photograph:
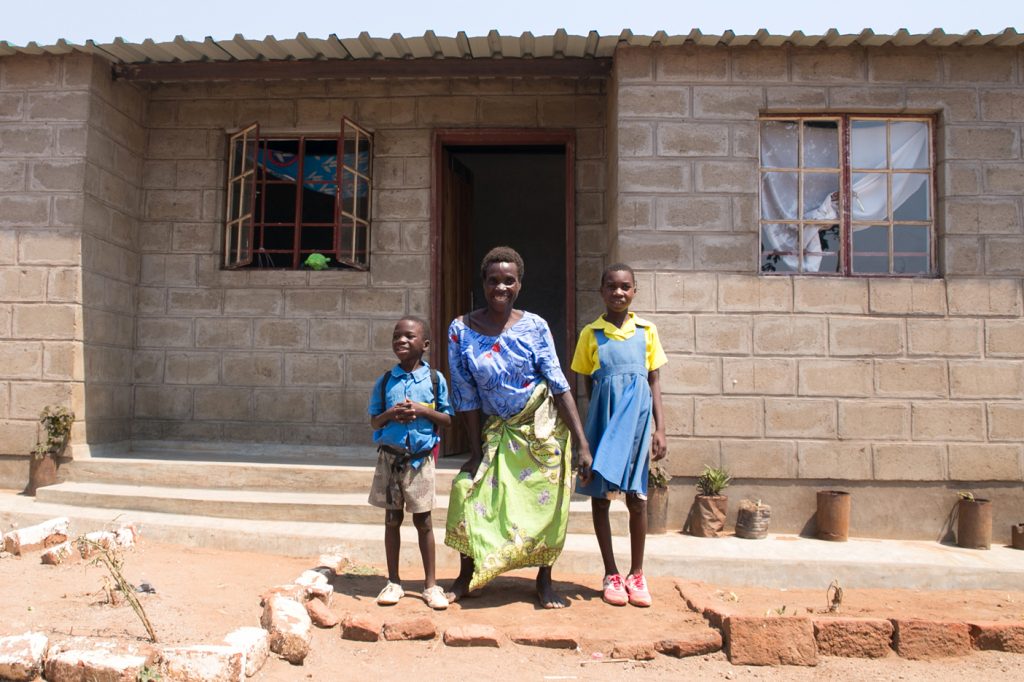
x,y
491,46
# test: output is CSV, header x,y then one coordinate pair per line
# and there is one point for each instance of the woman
x,y
509,505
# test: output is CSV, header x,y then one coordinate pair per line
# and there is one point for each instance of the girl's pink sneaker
x,y
636,587
614,592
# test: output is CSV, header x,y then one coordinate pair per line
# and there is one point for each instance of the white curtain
x,y
779,190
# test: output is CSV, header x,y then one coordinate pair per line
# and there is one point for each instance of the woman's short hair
x,y
502,254
617,267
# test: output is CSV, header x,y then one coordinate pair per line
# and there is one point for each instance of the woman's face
x,y
501,286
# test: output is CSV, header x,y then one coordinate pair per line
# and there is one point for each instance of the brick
x,y
865,336
749,293
833,65
321,615
46,534
970,142
290,629
984,462
924,640
779,335
874,420
800,418
830,295
911,378
692,213
720,334
223,333
545,638
986,379
853,637
848,378
1006,421
693,139
254,643
635,651
22,656
89,659
735,417
948,421
751,640
413,628
472,635
974,297
202,662
910,462
759,376
696,644
997,636
361,628
252,369
950,337
757,459
692,375
685,293
836,460
907,296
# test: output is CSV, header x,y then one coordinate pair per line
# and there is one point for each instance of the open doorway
x,y
503,188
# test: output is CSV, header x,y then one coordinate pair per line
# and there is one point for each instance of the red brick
x,y
361,628
472,635
414,628
549,639
700,598
694,645
853,637
783,640
321,616
640,651
996,636
923,639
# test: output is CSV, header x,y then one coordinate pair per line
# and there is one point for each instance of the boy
x,y
408,406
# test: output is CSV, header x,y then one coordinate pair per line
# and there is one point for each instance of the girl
x,y
619,353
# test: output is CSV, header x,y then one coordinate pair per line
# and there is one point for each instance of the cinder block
x,y
449,110
865,336
350,334
970,142
1004,178
962,256
797,97
375,302
907,296
693,139
910,462
830,295
799,418
986,379
19,435
676,331
756,64
164,204
732,253
277,333
636,175
163,402
313,370
688,456
759,376
725,176
313,303
974,65
727,102
846,378
1006,421
192,368
955,104
692,213
759,458
1001,105
223,333
252,369
63,361
980,216
23,284
948,421
874,420
685,293
736,417
402,204
22,360
635,139
985,462
653,101
342,407
781,335
633,63
57,175
52,247
687,63
261,302
218,403
512,110
64,285
25,140
750,293
46,321
678,414
868,98
1002,256
31,71
820,65
950,337
903,66
663,251
724,334
194,301
692,375
911,378
283,405
834,460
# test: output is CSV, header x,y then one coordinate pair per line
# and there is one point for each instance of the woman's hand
x,y
584,462
470,467
659,446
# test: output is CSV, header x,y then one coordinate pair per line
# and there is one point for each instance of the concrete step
x,y
778,561
262,505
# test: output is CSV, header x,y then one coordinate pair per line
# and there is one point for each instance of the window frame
x,y
241,226
846,222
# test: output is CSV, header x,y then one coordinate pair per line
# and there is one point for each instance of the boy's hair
x,y
502,254
424,325
617,267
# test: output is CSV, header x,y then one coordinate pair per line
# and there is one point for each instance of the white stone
x,y
202,663
254,643
59,554
36,536
21,656
322,592
290,628
309,578
83,659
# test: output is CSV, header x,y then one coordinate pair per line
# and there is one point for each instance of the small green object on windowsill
x,y
316,261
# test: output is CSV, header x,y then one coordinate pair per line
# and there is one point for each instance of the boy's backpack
x,y
384,387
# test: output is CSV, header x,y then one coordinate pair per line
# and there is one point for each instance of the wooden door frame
x,y
502,137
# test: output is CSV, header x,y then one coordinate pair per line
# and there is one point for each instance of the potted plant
x,y
707,516
42,470
752,520
973,522
657,500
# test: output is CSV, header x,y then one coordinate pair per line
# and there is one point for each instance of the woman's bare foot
x,y
458,589
549,599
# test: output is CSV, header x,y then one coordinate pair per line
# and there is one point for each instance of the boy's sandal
x,y
434,596
390,595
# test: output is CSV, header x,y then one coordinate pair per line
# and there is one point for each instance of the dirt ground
x,y
203,594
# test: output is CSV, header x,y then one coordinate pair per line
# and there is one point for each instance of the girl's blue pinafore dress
x,y
618,426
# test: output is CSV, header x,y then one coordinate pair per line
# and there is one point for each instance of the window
x,y
291,196
847,195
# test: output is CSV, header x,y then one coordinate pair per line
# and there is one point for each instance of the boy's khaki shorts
x,y
415,490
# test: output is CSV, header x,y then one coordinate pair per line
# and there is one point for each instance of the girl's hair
x,y
502,254
424,325
617,267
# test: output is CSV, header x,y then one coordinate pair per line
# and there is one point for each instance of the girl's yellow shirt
x,y
585,360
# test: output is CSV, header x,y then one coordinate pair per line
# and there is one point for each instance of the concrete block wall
x,y
44,103
289,356
783,379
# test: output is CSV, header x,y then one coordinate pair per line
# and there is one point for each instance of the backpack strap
x,y
384,391
433,383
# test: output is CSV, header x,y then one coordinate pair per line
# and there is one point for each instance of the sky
x,y
24,21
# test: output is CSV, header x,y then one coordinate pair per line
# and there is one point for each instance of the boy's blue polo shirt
x,y
418,435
